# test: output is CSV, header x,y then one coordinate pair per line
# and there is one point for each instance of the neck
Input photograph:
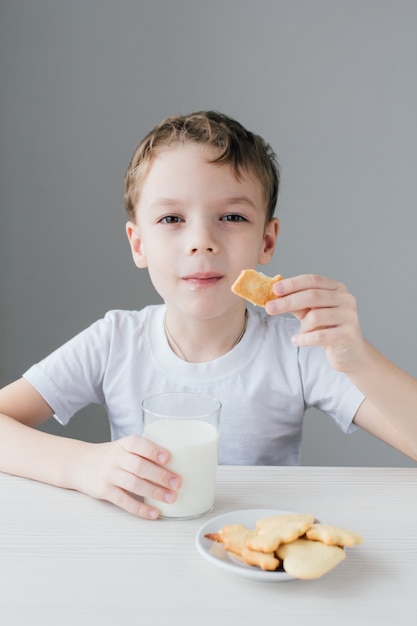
x,y
205,341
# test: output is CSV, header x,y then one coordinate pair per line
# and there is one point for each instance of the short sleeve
x,y
328,390
71,377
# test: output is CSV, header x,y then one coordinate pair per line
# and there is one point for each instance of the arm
x,y
390,410
328,318
109,471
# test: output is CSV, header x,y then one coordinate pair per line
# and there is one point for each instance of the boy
x,y
200,194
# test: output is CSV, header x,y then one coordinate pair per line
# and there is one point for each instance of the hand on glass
x,y
121,470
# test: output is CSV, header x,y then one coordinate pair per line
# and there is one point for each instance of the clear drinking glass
x,y
186,424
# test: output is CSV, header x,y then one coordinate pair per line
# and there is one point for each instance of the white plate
x,y
216,554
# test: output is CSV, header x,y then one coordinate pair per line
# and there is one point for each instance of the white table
x,y
68,559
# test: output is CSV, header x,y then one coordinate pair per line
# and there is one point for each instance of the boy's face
x,y
197,226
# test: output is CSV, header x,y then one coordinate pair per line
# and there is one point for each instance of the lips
x,y
202,280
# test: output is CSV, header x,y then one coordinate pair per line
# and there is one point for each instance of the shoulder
x,y
120,316
125,321
115,326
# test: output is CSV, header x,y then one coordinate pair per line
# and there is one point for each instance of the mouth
x,y
202,280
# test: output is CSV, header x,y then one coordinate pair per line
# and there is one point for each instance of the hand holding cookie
x,y
325,308
327,314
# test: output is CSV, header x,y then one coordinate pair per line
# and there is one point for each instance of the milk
x,y
193,447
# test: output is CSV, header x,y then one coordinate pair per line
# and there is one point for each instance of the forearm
x,y
27,452
117,471
390,389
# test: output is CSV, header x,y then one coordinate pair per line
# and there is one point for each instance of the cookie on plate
x,y
307,559
274,530
235,538
333,536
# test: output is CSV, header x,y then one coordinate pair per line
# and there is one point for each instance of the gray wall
x,y
330,83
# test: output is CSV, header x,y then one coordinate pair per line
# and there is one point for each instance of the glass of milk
x,y
186,424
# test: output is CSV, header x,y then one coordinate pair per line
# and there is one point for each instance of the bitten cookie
x,y
255,286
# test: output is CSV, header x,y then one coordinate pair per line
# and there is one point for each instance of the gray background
x,y
330,83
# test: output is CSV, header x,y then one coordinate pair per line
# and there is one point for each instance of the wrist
x,y
75,466
370,367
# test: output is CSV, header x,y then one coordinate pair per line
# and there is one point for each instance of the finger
x,y
322,337
146,448
316,319
129,503
143,468
338,338
300,302
141,487
303,282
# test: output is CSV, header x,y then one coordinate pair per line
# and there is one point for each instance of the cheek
x,y
159,270
247,251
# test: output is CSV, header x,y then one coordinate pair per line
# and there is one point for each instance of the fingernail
x,y
162,457
278,288
169,498
152,514
174,483
271,307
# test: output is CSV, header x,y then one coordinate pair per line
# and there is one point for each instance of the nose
x,y
202,239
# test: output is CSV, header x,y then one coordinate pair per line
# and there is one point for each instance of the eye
x,y
171,219
233,217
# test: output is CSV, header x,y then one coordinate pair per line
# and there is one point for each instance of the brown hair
x,y
240,148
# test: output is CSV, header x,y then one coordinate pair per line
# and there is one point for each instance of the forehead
x,y
187,170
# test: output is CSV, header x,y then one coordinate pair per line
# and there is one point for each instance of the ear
x,y
136,245
269,240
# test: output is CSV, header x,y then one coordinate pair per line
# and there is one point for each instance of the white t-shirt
x,y
264,383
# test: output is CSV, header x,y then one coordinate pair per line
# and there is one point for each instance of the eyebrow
x,y
227,201
239,200
161,202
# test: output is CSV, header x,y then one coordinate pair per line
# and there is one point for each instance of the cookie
x,y
255,287
235,538
267,561
333,536
307,559
274,530
307,550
